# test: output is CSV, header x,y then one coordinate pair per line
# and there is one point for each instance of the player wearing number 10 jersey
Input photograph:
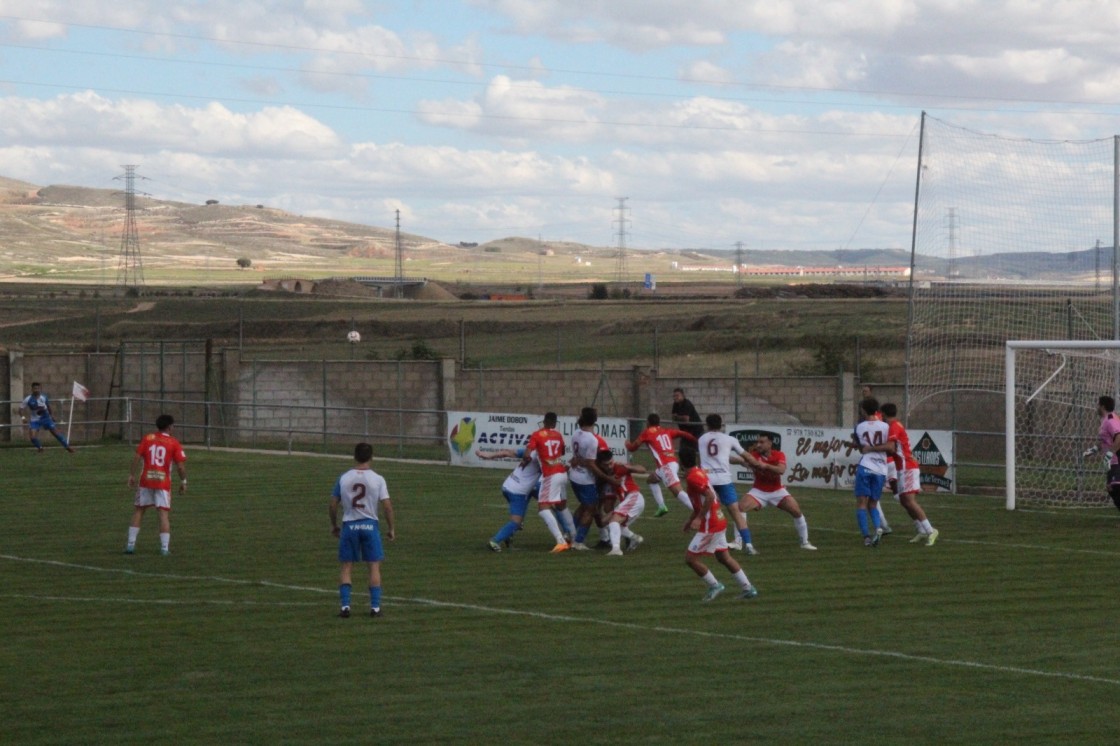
x,y
157,452
362,493
659,440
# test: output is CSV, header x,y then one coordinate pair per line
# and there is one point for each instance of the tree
x,y
244,262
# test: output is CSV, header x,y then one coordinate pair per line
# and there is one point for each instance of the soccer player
x,y
892,472
768,466
659,440
518,489
362,494
157,452
717,451
708,522
629,501
39,417
1109,444
584,476
909,479
871,437
546,445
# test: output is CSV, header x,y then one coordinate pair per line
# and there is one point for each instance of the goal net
x,y
1013,240
1050,409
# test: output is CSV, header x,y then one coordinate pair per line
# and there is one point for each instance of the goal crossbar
x,y
1058,346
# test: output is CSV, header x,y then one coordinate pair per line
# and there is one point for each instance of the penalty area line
x,y
565,618
777,642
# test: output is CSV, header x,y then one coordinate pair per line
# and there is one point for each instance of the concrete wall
x,y
269,401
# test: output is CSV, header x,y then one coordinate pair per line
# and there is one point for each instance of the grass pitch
x,y
1005,630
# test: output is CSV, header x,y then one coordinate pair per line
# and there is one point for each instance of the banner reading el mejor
x,y
471,433
824,457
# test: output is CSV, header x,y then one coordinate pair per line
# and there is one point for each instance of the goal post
x,y
1050,399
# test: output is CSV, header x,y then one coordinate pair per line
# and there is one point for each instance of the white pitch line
x,y
681,631
155,601
976,542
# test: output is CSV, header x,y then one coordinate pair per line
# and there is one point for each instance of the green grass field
x,y
1004,631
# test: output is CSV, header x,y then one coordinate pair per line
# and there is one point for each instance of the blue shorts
x,y
726,494
518,504
360,541
42,422
587,494
869,484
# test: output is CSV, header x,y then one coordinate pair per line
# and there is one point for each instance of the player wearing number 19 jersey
x,y
708,522
361,493
157,452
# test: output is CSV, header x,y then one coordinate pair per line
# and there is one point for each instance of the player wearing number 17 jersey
x,y
659,440
547,446
157,452
361,493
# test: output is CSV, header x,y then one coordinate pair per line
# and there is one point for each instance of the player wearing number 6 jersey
x,y
157,452
361,492
659,440
717,451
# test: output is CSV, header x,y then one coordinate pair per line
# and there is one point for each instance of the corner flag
x,y
80,392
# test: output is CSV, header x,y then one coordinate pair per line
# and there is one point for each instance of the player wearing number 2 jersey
x,y
361,493
157,452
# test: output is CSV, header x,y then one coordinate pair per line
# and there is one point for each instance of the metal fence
x,y
250,425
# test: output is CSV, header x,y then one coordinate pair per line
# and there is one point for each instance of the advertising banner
x,y
471,433
825,457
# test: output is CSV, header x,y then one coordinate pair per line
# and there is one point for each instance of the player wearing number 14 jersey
x,y
157,452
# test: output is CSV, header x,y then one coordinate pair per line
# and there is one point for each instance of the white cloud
x,y
517,109
92,120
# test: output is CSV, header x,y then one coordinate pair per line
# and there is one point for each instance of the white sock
x,y
615,532
802,527
683,497
132,534
625,531
710,580
549,519
604,534
882,518
655,490
567,522
165,541
927,528
741,579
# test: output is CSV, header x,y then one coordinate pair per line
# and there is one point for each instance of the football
x,y
353,337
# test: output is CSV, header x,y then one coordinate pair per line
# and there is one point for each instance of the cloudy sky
x,y
783,125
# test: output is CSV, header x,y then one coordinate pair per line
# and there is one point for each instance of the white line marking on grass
x,y
976,542
155,601
771,641
949,662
